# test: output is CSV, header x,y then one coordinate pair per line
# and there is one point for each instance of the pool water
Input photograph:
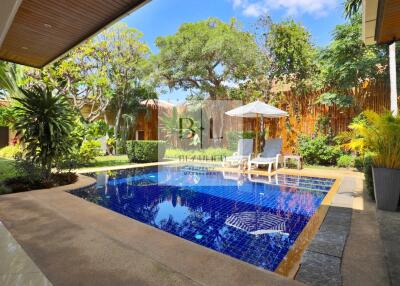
x,y
252,218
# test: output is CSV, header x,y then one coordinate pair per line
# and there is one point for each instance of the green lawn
x,y
6,169
109,161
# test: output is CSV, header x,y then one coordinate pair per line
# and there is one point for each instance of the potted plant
x,y
380,135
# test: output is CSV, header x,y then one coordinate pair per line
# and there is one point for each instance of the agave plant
x,y
378,134
43,121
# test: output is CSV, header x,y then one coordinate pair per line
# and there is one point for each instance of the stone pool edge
x,y
292,260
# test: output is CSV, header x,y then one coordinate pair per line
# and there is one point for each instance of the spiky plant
x,y
378,134
43,121
351,7
8,78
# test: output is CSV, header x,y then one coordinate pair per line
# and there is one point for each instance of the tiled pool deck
x,y
16,268
74,242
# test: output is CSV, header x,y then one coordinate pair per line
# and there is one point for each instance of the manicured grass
x,y
7,169
109,161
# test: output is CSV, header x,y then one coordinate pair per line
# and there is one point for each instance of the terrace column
x,y
393,79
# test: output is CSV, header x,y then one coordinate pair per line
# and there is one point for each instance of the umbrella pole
x,y
257,126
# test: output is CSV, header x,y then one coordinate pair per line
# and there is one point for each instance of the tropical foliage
x,y
378,135
43,121
106,73
347,64
10,151
60,112
319,150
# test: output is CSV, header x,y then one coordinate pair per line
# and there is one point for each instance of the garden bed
x,y
24,184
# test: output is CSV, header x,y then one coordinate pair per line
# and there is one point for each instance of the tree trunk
x,y
117,121
393,79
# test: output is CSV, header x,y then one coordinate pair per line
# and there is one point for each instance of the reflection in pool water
x,y
255,219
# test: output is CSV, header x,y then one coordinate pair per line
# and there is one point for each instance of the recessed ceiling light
x,y
48,26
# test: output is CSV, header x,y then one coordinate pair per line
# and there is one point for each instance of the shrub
x,y
145,151
89,150
234,136
346,161
318,151
359,163
27,168
369,181
10,151
121,147
379,135
209,154
4,190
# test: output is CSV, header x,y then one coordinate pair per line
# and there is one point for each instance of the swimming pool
x,y
252,218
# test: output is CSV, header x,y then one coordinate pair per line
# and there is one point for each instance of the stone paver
x,y
16,268
319,269
363,262
321,262
389,226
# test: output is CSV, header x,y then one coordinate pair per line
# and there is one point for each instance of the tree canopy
x,y
208,57
291,52
347,62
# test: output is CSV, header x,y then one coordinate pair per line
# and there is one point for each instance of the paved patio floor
x,y
16,268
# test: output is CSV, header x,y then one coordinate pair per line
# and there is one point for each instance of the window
x,y
139,135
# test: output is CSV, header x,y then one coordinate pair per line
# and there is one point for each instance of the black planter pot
x,y
386,188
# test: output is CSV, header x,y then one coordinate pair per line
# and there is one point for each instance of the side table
x,y
297,158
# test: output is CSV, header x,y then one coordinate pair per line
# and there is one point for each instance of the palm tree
x,y
170,125
351,7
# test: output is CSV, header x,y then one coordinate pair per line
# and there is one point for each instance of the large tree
x,y
126,65
291,53
208,57
103,73
347,62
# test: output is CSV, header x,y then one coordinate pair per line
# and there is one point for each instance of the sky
x,y
163,17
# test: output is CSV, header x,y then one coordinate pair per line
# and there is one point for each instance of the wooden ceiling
x,y
388,21
44,30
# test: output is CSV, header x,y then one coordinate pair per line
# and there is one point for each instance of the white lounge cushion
x,y
261,160
236,158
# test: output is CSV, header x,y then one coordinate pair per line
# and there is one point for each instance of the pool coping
x,y
290,264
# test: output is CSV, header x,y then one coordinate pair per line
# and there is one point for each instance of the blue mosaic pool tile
x,y
234,214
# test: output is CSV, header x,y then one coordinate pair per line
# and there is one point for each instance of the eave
x,y
37,32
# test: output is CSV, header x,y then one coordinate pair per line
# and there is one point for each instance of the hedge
x,y
213,154
145,151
